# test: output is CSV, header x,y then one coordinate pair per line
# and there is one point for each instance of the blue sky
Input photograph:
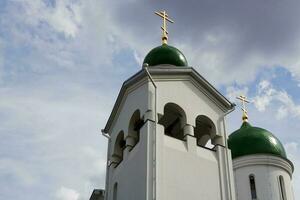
x,y
62,64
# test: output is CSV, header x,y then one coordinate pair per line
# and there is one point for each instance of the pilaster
x,y
225,169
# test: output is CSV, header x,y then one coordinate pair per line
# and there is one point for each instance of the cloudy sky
x,y
62,63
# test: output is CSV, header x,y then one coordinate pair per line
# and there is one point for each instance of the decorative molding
x,y
166,73
265,159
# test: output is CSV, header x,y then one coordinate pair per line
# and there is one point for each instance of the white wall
x,y
189,175
167,167
132,174
191,99
266,170
185,170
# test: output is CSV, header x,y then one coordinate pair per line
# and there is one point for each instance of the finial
x,y
244,100
164,16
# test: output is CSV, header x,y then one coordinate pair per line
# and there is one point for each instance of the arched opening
x,y
119,147
173,120
135,124
115,191
252,187
282,188
204,131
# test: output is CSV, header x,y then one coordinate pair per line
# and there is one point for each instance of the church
x,y
167,140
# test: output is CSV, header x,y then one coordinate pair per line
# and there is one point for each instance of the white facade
x,y
157,149
158,136
271,178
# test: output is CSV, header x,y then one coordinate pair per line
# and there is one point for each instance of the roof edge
x,y
136,77
170,70
264,159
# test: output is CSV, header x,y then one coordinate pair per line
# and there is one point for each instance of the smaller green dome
x,y
250,140
165,54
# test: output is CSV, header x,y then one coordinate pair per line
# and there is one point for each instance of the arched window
x,y
115,191
282,188
119,146
252,187
204,131
173,120
135,124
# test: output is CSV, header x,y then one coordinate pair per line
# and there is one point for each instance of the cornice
x,y
168,72
268,160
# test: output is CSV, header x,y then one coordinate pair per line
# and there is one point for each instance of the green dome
x,y
165,54
250,140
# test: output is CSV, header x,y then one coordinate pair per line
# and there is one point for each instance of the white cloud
x,y
18,170
64,16
267,94
234,91
282,112
52,107
55,134
264,84
65,193
77,36
220,65
218,38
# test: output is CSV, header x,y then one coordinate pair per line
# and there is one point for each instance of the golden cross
x,y
244,100
165,17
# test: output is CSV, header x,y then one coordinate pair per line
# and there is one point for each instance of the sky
x,y
62,63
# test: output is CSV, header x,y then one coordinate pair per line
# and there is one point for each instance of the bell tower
x,y
167,134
